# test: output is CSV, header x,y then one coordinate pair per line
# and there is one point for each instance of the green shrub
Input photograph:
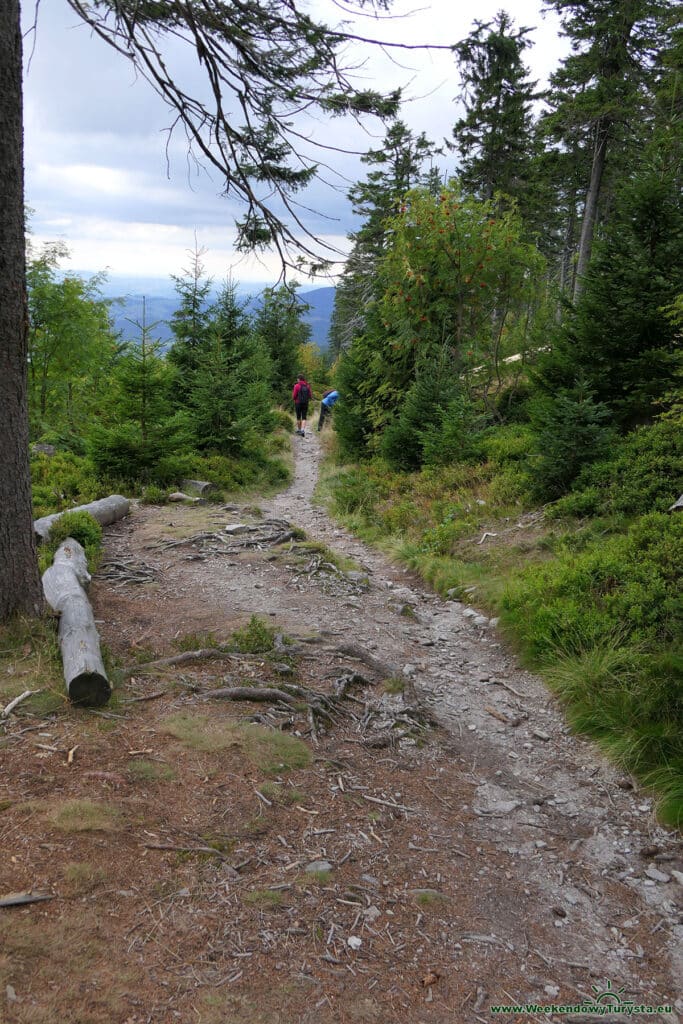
x,y
643,475
352,415
512,402
628,583
83,528
436,422
399,516
153,495
509,486
355,491
257,637
443,538
121,451
586,502
455,437
571,431
283,420
508,444
62,480
170,469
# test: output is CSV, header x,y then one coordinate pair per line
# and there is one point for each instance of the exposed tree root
x,y
382,668
317,704
186,658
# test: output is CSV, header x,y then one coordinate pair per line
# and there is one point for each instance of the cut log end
x,y
89,689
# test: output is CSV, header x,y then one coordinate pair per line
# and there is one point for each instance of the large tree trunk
x,y
20,590
63,584
105,511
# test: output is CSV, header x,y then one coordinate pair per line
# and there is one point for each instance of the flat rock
x,y
238,528
656,875
318,865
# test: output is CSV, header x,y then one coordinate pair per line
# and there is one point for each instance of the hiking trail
x,y
495,860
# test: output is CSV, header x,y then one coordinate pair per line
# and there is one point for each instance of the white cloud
x,y
96,142
158,250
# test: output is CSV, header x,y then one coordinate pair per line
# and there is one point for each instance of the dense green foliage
x,y
517,354
63,480
129,416
71,346
644,474
459,287
623,586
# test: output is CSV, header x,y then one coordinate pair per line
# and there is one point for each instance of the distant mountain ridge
x,y
160,302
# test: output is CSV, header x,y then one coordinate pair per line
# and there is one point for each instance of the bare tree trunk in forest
x,y
590,212
20,587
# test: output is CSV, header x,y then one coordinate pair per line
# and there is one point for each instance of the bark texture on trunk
x,y
63,585
105,511
590,213
20,591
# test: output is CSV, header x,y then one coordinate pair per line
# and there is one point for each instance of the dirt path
x,y
502,861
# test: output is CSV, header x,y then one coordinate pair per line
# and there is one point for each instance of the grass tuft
x,y
82,878
150,771
85,816
264,899
273,752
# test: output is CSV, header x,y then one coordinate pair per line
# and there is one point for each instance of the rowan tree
x,y
397,166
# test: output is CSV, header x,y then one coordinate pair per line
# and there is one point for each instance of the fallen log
x,y
200,487
63,586
105,511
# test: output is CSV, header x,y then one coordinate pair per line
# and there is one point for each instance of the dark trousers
x,y
324,413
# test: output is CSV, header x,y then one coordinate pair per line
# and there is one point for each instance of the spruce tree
x,y
231,395
141,428
494,139
620,337
280,325
190,322
599,95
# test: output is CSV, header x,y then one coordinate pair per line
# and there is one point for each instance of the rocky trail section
x,y
543,796
450,846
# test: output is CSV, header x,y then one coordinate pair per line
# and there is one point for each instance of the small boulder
x,y
317,866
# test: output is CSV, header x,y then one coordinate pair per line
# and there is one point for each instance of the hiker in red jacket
x,y
302,395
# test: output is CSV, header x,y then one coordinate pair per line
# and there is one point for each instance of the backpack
x,y
303,394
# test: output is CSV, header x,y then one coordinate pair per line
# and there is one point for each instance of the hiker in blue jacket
x,y
328,400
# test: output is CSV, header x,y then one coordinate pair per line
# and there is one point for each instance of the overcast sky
x,y
95,139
